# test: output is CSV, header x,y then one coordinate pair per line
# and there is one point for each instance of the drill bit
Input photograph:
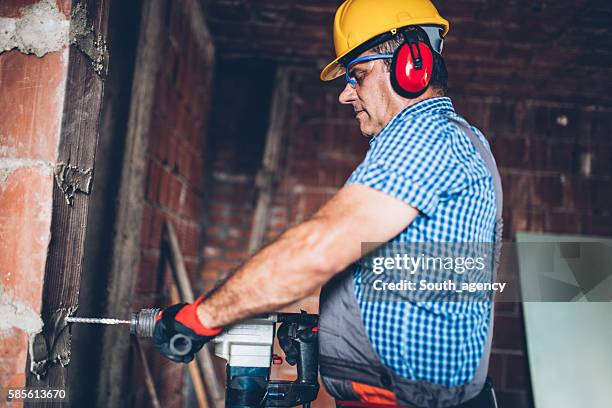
x,y
142,323
72,319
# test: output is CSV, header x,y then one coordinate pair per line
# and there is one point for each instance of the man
x,y
426,178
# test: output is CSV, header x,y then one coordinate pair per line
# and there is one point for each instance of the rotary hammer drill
x,y
248,349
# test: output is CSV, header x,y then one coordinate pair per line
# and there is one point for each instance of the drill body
x,y
248,346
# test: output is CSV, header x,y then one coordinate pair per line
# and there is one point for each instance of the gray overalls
x,y
346,355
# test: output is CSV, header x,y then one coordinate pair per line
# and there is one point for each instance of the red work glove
x,y
181,319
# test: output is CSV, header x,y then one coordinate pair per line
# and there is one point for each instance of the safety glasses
x,y
365,58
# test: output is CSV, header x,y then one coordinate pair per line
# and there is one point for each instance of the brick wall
x,y
31,102
239,120
554,159
174,178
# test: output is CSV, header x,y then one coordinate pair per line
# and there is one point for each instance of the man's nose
x,y
348,95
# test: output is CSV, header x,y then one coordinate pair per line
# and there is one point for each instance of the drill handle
x,y
180,344
298,337
308,361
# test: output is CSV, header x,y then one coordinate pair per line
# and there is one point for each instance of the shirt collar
x,y
441,104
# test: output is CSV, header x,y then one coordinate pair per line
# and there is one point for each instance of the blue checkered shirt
x,y
428,162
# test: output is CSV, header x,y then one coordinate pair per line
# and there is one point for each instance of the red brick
x,y
305,142
516,188
601,125
13,8
562,156
231,217
508,333
516,376
147,279
193,204
31,103
538,155
174,193
601,162
155,217
528,220
547,191
25,220
306,174
147,220
514,399
11,342
239,256
564,222
210,277
165,180
510,152
308,204
218,264
597,224
153,177
507,308
196,171
145,300
497,369
577,193
503,118
189,238
602,194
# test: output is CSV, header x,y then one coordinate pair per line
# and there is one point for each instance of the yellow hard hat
x,y
358,21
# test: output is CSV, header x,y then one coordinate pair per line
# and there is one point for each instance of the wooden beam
x,y
74,171
268,174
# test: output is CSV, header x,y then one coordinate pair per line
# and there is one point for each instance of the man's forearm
x,y
307,255
289,269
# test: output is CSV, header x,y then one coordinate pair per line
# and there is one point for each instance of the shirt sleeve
x,y
412,161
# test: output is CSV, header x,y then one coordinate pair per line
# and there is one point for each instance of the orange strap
x,y
374,395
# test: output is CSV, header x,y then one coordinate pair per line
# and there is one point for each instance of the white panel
x,y
569,344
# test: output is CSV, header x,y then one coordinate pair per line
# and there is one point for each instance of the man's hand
x,y
181,319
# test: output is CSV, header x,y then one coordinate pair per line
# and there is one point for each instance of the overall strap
x,y
489,161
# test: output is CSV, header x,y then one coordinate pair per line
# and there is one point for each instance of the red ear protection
x,y
412,64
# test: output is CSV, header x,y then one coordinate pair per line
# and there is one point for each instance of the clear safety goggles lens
x,y
365,58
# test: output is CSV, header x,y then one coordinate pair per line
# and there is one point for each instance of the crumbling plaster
x,y
9,165
41,28
15,314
